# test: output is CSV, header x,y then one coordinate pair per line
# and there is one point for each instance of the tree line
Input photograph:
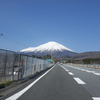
x,y
44,57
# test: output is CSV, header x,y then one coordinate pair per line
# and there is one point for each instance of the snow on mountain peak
x,y
30,49
50,46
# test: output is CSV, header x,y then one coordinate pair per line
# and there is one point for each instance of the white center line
x,y
17,95
79,81
96,98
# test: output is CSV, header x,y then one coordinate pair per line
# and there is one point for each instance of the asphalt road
x,y
90,76
57,84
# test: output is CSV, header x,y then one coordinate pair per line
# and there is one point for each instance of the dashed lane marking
x,y
96,98
63,68
67,70
70,73
79,81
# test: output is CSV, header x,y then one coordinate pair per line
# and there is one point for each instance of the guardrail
x,y
96,66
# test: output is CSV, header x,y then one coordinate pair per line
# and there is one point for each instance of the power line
x,y
13,40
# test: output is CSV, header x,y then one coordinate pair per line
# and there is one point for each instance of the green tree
x,y
47,56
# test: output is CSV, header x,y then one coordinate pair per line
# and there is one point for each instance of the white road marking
x,y
96,73
92,71
79,81
67,70
82,70
96,98
70,73
85,70
17,95
63,68
88,71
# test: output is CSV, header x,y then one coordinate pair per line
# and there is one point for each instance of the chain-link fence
x,y
17,66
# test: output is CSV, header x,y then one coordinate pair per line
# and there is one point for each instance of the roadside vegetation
x,y
5,83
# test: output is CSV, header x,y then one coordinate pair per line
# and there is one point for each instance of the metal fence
x,y
16,66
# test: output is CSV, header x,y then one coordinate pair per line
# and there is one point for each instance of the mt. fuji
x,y
52,48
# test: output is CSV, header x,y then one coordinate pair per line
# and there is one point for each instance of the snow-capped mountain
x,y
52,48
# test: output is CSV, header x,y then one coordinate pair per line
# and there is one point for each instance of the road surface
x,y
56,84
90,76
61,82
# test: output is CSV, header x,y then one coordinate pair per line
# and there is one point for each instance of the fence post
x,y
5,64
26,64
32,66
12,76
18,64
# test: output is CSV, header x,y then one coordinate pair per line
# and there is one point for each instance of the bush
x,y
2,85
6,83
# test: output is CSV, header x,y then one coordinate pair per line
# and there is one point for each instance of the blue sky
x,y
30,23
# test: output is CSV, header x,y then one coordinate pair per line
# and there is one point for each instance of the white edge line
x,y
79,81
96,98
18,94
